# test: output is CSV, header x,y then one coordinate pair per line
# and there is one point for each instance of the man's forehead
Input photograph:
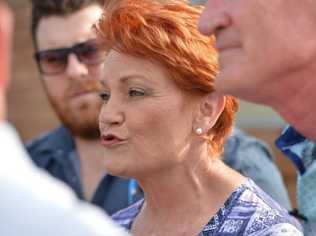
x,y
61,31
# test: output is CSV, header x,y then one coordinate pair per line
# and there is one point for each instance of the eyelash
x,y
131,93
137,92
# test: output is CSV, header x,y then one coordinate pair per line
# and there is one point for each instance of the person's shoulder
x,y
126,216
239,140
282,229
45,142
249,211
262,214
37,142
244,152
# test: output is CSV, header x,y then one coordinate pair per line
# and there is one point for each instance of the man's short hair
x,y
46,8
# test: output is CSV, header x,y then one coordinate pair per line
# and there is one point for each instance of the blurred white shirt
x,y
32,203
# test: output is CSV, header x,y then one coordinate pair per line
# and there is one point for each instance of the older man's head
x,y
260,43
267,54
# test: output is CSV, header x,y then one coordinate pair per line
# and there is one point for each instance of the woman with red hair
x,y
163,124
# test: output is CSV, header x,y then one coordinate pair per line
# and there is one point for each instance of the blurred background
x,y
31,113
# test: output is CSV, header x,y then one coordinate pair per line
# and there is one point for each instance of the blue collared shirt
x,y
301,152
297,148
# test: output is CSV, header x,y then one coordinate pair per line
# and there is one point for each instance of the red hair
x,y
166,32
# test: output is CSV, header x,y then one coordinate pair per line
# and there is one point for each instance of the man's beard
x,y
82,120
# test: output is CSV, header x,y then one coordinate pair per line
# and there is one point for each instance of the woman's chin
x,y
115,170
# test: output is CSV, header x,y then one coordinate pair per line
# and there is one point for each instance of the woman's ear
x,y
211,107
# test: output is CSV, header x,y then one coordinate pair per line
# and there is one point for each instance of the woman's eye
x,y
135,93
104,96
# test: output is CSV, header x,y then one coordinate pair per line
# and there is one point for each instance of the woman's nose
x,y
111,114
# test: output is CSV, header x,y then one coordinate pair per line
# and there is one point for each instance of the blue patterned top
x,y
248,211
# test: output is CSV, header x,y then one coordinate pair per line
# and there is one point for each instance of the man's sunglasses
x,y
54,61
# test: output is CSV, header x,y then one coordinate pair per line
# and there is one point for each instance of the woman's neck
x,y
185,194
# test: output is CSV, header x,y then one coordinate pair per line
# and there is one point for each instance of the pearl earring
x,y
199,131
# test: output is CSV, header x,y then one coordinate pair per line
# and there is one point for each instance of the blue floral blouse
x,y
248,211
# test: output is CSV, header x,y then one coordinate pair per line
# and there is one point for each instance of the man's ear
x,y
211,107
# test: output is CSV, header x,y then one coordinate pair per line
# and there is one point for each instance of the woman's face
x,y
146,120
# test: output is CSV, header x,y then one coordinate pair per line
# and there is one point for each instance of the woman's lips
x,y
110,140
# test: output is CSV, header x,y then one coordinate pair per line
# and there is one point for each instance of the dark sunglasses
x,y
54,61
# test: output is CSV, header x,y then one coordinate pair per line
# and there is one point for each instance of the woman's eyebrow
x,y
127,78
